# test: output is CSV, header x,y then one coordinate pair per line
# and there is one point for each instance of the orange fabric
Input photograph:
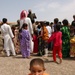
x,y
45,34
43,74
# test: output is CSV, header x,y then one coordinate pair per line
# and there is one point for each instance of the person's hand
x,y
13,39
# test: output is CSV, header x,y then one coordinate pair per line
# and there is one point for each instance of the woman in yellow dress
x,y
72,42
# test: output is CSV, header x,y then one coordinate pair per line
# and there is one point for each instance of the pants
x,y
10,48
57,49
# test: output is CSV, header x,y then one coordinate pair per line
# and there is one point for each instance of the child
x,y
37,67
25,41
45,37
15,31
35,40
57,43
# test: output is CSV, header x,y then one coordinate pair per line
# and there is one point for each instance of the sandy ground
x,y
20,66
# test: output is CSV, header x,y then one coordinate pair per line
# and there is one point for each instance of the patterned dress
x,y
72,45
65,41
16,41
25,43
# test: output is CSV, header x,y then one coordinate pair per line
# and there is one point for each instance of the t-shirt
x,y
43,74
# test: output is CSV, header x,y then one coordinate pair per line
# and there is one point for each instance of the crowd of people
x,y
39,37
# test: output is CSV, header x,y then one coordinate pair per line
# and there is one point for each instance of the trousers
x,y
57,50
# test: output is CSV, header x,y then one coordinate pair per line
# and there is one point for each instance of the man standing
x,y
73,23
8,37
32,16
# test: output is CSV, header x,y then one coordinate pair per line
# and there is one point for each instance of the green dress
x,y
65,41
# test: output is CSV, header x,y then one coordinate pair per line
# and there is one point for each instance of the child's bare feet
x,y
60,60
29,57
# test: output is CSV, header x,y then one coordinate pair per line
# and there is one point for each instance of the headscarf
x,y
23,14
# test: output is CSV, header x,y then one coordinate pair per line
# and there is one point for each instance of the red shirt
x,y
56,38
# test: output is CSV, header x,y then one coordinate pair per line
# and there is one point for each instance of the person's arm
x,y
10,32
51,38
41,34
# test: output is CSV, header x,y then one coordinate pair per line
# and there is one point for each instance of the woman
x,y
25,19
65,39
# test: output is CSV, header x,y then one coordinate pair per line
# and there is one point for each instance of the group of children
x,y
41,40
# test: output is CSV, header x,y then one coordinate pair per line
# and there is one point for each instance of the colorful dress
x,y
72,46
16,40
25,43
65,41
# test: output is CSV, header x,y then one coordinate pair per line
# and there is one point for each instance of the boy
x,y
37,67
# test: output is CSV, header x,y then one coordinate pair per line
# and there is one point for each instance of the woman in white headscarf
x,y
25,19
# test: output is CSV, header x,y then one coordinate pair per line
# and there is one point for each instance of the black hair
x,y
4,20
23,26
73,16
36,32
37,61
56,20
42,23
47,23
65,22
39,26
57,27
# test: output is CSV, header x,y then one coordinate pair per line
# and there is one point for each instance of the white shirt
x,y
49,30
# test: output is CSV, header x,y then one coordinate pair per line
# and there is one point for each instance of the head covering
x,y
23,14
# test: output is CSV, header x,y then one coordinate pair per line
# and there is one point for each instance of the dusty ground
x,y
20,66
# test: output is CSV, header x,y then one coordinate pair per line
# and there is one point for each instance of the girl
x,y
37,67
25,41
45,37
15,31
57,43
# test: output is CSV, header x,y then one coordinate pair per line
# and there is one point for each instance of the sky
x,y
45,10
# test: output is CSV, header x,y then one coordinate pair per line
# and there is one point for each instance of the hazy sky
x,y
44,9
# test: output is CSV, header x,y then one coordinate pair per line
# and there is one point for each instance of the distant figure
x,y
73,23
25,19
25,41
32,16
8,37
37,67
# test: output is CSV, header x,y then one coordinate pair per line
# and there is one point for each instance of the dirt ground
x,y
20,66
